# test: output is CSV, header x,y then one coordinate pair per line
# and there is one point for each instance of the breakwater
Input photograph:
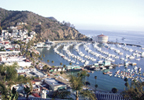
x,y
123,44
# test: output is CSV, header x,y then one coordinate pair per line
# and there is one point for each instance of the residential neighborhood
x,y
14,44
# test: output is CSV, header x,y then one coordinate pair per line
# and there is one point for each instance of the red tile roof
x,y
102,35
35,94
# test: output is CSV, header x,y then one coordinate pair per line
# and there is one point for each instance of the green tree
x,y
45,67
0,30
88,76
76,85
87,82
88,94
4,91
11,73
61,94
127,85
52,61
95,77
70,63
125,79
60,63
64,66
43,55
135,91
8,78
96,87
83,75
48,61
114,90
28,90
14,94
61,72
53,66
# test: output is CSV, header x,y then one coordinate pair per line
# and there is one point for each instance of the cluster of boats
x,y
65,48
107,54
126,73
102,55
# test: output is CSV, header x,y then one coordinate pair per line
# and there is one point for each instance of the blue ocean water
x,y
105,82
135,37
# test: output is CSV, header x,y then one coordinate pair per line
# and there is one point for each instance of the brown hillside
x,y
44,27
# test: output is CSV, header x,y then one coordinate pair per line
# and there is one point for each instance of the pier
x,y
123,44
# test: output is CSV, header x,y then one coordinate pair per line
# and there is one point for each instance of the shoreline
x,y
60,41
45,64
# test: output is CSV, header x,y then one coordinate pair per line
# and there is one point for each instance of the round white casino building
x,y
102,38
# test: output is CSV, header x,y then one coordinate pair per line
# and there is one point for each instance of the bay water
x,y
105,83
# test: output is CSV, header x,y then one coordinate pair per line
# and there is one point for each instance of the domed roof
x,y
102,35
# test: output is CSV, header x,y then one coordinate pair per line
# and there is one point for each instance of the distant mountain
x,y
44,27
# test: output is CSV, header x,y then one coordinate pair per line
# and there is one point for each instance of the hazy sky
x,y
87,14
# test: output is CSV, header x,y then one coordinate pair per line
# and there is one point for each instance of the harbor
x,y
97,58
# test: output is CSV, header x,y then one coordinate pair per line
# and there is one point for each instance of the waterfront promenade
x,y
68,41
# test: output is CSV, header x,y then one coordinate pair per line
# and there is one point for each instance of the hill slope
x,y
44,27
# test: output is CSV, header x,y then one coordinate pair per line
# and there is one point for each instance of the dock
x,y
123,44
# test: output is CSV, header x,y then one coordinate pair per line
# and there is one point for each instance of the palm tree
x,y
87,83
89,94
96,87
95,82
14,93
48,61
83,75
64,66
114,90
88,75
70,63
135,91
3,90
71,69
126,84
76,84
60,63
78,74
125,79
7,93
61,72
95,78
52,61
53,66
27,91
45,67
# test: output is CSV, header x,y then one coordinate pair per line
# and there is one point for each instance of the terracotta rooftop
x,y
101,35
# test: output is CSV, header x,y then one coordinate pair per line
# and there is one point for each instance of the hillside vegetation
x,y
44,27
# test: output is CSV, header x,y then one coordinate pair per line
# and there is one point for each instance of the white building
x,y
101,38
19,60
43,94
55,85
